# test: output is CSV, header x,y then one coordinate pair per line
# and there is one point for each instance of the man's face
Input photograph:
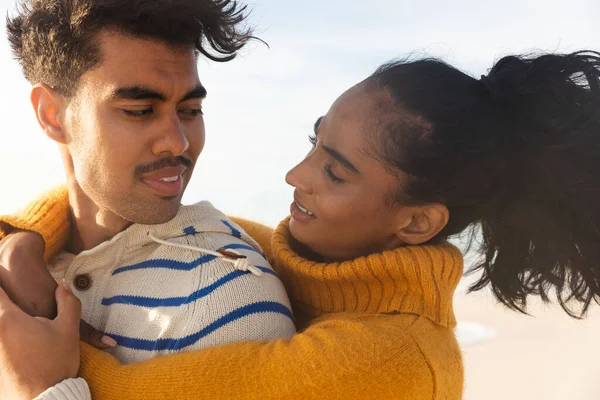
x,y
134,129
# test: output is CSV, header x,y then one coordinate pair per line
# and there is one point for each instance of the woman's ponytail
x,y
544,234
516,153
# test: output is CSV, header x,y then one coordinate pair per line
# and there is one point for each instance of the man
x,y
115,85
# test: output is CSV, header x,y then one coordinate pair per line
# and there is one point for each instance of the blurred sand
x,y
547,356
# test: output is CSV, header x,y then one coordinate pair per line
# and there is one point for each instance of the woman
x,y
417,152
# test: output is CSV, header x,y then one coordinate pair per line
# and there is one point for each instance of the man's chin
x,y
157,215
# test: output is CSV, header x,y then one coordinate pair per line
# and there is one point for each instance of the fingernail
x,y
66,286
108,341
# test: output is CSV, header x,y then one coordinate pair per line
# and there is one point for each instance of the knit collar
x,y
414,279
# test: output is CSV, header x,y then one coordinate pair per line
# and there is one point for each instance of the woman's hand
x,y
37,353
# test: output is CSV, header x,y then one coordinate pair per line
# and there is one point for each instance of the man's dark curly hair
x,y
55,40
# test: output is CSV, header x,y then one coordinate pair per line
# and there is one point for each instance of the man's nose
x,y
172,139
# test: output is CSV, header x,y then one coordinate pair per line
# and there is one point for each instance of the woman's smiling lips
x,y
167,181
300,213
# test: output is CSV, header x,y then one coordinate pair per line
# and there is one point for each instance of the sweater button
x,y
82,282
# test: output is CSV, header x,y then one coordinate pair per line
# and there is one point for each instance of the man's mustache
x,y
162,163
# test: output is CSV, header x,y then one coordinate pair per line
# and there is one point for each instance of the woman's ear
x,y
47,105
423,223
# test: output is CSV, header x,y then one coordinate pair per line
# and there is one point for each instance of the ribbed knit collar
x,y
413,279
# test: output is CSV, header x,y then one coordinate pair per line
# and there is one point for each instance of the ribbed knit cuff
x,y
69,389
47,215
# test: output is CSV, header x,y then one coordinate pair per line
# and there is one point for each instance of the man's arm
x,y
69,389
25,278
24,275
37,353
28,239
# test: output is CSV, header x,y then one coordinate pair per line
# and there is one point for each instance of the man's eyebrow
x,y
143,93
199,92
342,160
136,93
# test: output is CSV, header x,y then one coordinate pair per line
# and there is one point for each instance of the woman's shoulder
x,y
259,232
440,348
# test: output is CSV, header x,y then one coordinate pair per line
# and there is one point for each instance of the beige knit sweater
x,y
156,289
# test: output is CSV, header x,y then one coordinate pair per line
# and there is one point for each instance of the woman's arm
x,y
340,358
48,215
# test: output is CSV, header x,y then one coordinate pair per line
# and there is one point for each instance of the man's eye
x,y
137,113
192,112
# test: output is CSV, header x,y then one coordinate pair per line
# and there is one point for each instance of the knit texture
x,y
68,389
47,215
379,327
155,299
415,279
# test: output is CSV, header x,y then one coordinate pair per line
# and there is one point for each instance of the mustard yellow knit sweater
x,y
378,327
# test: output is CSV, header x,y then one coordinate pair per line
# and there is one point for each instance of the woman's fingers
x,y
92,336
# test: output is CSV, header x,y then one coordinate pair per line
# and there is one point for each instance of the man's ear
x,y
48,105
423,223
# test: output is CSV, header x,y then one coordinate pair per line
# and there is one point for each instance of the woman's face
x,y
341,204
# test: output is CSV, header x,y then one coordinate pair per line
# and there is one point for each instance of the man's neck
x,y
90,224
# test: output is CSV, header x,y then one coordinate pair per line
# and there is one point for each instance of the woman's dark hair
x,y
515,154
54,40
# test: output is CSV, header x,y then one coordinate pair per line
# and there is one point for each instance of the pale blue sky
x,y
261,107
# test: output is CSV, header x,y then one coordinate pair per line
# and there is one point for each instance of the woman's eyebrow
x,y
316,126
341,159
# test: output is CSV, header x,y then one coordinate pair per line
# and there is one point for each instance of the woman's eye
x,y
137,113
312,139
331,175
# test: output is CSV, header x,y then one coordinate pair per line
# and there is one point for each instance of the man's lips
x,y
166,172
167,181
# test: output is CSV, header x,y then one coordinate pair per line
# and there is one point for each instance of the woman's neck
x,y
410,279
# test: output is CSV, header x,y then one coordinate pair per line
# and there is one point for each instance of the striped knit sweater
x,y
155,298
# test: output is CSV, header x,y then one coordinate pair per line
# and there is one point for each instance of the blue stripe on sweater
x,y
167,264
151,302
180,265
180,343
234,231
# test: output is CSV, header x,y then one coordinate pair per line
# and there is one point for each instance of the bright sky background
x,y
261,107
